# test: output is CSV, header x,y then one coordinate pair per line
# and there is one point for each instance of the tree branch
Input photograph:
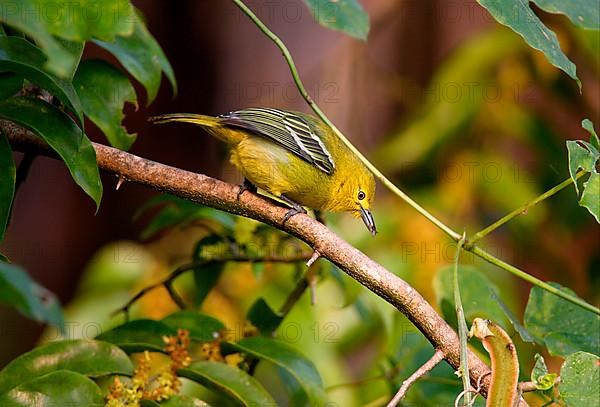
x,y
221,195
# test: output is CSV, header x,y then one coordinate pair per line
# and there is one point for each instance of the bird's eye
x,y
361,195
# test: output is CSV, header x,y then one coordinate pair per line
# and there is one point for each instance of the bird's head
x,y
355,194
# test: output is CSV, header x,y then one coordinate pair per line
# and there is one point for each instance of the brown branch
x,y
221,195
167,282
527,386
420,372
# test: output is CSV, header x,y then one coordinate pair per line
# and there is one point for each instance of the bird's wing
x,y
287,129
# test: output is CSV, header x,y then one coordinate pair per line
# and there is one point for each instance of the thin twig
x,y
437,357
531,386
527,277
523,209
471,247
298,291
167,282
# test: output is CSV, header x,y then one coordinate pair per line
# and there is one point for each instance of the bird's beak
x,y
366,216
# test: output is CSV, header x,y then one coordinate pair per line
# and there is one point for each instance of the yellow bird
x,y
293,156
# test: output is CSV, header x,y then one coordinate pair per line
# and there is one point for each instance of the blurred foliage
x,y
343,15
485,135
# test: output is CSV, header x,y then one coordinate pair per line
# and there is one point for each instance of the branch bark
x,y
221,195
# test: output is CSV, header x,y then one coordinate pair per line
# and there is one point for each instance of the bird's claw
x,y
292,212
246,186
296,208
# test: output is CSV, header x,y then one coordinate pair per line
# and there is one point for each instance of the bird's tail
x,y
198,119
213,125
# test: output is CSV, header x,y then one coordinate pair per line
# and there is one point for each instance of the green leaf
x,y
590,198
580,380
44,20
350,287
244,232
562,326
540,376
580,157
76,50
262,316
517,15
61,388
103,91
477,292
10,84
346,16
230,382
62,134
207,275
589,126
139,335
205,278
143,58
176,401
184,401
92,19
20,56
81,20
18,290
177,211
202,327
18,14
168,217
583,13
299,367
585,155
7,185
89,358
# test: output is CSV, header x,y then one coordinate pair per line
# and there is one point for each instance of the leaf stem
x,y
531,279
523,209
462,326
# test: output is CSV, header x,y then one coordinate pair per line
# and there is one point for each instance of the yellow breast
x,y
279,172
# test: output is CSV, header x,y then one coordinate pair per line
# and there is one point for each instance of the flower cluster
x,y
149,382
177,348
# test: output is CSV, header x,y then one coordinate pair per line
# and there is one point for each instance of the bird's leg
x,y
246,186
296,208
